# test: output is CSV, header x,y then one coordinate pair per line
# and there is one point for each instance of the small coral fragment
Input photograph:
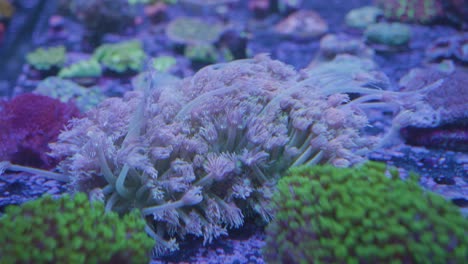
x,y
45,59
121,57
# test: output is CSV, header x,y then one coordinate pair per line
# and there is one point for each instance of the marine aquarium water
x,y
233,131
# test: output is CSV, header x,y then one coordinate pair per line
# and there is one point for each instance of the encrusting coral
x,y
71,230
45,59
28,123
81,69
121,57
360,215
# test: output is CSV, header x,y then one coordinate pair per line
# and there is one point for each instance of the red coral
x,y
28,123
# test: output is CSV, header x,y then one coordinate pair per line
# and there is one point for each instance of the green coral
x,y
82,69
121,57
201,53
187,30
164,63
45,59
359,215
71,230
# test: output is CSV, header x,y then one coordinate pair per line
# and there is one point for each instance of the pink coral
x,y
29,122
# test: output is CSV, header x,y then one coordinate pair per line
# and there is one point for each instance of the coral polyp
x,y
199,154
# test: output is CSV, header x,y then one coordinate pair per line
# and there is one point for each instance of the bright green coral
x,y
359,215
121,57
71,230
45,59
82,69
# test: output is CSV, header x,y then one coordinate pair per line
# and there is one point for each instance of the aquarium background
x,y
233,131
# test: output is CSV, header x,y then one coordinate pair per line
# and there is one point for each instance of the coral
x,y
449,129
452,47
302,25
164,63
197,155
71,230
422,104
45,59
188,30
82,69
121,57
68,91
198,38
29,122
448,98
422,11
332,45
362,17
353,66
359,215
391,34
425,11
201,53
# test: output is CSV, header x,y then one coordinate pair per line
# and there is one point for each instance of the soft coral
x,y
29,122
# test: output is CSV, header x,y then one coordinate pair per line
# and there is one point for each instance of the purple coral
x,y
448,101
28,124
225,134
